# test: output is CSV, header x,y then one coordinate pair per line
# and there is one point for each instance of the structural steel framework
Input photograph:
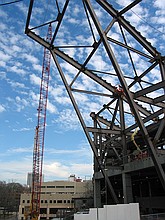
x,y
128,85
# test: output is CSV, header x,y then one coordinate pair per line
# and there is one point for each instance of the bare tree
x,y
10,196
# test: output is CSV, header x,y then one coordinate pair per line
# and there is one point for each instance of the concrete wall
x,y
112,212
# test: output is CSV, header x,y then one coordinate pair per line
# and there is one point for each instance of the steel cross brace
x,y
129,96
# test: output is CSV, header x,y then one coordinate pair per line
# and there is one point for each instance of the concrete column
x,y
47,215
127,188
97,194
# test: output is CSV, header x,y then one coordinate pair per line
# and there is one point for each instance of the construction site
x,y
126,128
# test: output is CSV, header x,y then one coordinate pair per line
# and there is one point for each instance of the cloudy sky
x,y
66,148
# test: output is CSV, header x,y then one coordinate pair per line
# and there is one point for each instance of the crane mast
x,y
40,132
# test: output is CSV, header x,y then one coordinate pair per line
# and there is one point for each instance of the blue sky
x,y
66,148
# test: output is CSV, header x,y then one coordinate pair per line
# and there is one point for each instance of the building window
x,y
43,210
59,186
50,201
50,187
68,201
42,201
22,210
23,201
64,201
53,210
28,201
54,201
59,201
71,187
43,186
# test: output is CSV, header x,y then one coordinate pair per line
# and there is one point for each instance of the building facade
x,y
57,198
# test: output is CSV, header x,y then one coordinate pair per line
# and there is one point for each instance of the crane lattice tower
x,y
38,150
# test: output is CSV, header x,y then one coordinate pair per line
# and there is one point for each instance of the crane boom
x,y
40,132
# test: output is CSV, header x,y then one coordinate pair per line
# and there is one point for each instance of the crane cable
x,y
8,3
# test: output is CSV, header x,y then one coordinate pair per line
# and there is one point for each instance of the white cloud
x,y
2,27
60,170
3,14
2,63
24,102
35,79
73,21
22,129
123,2
14,39
15,69
67,119
34,99
59,95
55,169
18,103
81,151
29,44
51,108
81,98
4,57
16,84
37,67
56,90
159,20
2,75
31,58
159,4
76,10
16,150
22,7
16,170
82,170
2,108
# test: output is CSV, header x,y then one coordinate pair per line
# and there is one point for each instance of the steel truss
x,y
131,114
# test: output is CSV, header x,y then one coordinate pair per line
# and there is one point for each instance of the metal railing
x,y
157,216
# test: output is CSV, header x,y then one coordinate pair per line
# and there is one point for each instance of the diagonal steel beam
x,y
149,89
150,101
159,131
127,8
129,96
84,126
29,16
129,48
59,18
129,27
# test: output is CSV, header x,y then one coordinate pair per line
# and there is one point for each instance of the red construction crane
x,y
40,132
